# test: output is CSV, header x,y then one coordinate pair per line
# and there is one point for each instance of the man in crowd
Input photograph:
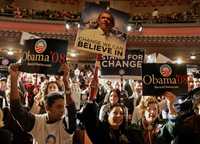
x,y
53,122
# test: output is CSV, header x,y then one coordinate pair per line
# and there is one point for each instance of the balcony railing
x,y
147,20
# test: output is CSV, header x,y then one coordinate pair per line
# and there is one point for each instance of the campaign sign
x,y
130,66
44,56
97,35
158,78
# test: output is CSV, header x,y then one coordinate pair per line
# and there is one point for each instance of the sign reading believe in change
x,y
128,67
44,56
158,78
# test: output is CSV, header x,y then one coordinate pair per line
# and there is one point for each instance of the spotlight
x,y
73,54
179,61
193,57
10,53
129,28
78,25
67,26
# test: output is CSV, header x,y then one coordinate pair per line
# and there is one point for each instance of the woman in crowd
x,y
111,131
155,130
114,97
137,113
38,105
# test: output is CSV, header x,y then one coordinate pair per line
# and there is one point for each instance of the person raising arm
x,y
59,119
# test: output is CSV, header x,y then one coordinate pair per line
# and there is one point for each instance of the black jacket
x,y
101,132
188,130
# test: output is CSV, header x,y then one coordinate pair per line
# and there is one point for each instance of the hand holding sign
x,y
94,83
93,86
14,73
14,70
68,99
65,69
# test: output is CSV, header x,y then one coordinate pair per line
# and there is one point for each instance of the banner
x,y
158,78
102,31
128,67
44,56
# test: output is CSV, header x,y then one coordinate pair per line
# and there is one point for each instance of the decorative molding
x,y
141,40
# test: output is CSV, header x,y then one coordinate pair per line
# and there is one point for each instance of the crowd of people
x,y
37,108
53,109
56,15
186,16
157,16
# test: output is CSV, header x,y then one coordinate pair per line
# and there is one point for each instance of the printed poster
x,y
158,78
103,31
44,56
130,67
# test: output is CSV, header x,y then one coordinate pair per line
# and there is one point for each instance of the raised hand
x,y
93,87
14,70
66,70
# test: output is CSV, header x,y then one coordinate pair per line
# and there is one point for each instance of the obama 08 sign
x,y
44,56
158,78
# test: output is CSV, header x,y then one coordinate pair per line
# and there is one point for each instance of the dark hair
x,y
52,97
196,99
123,125
117,105
47,85
111,16
118,94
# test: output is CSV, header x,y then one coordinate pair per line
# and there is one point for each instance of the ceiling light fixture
x,y
67,26
193,57
73,54
10,53
129,28
179,61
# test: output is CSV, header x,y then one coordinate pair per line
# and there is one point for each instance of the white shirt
x,y
41,131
